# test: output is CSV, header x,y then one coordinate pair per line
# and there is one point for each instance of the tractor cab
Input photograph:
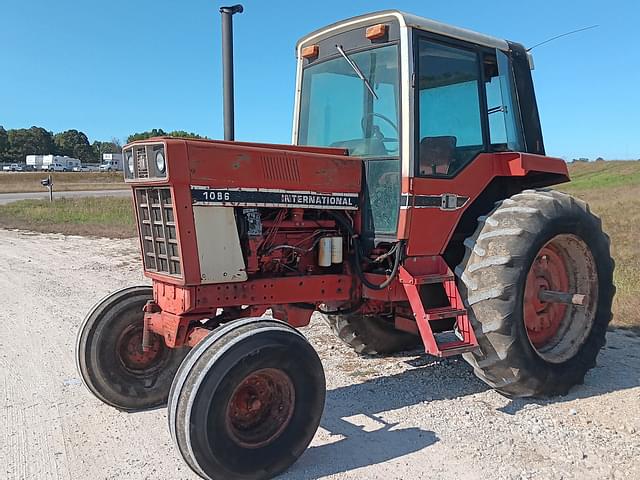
x,y
418,101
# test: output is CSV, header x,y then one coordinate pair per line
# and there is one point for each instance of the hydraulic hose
x,y
356,259
394,271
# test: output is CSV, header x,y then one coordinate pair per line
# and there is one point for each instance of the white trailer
x,y
67,163
34,162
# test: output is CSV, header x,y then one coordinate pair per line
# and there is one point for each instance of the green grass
x,y
598,175
101,216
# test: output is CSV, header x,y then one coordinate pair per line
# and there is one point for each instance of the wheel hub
x,y
260,408
542,319
132,354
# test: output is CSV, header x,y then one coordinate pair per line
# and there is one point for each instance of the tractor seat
x,y
437,154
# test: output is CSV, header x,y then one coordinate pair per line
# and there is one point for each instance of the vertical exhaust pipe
x,y
227,68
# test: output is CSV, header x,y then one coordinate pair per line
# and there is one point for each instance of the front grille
x,y
158,230
142,161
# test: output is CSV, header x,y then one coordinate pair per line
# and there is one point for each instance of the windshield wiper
x,y
356,69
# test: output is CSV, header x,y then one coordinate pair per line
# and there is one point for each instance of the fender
x,y
432,207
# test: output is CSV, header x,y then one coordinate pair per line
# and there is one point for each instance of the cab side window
x,y
505,130
449,108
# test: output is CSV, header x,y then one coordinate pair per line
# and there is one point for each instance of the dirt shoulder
x,y
403,417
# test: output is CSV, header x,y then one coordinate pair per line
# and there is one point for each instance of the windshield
x,y
337,108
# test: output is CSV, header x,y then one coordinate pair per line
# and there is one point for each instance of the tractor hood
x,y
248,174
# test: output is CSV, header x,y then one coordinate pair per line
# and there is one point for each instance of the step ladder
x,y
416,273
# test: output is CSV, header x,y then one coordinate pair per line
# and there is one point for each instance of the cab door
x,y
463,113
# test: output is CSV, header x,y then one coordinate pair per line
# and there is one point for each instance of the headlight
x,y
160,162
130,162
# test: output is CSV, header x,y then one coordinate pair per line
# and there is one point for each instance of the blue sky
x,y
114,67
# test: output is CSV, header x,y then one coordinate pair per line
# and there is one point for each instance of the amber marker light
x,y
311,51
377,31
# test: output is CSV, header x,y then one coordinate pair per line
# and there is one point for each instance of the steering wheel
x,y
383,138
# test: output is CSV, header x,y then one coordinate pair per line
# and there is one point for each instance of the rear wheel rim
x,y
260,408
557,331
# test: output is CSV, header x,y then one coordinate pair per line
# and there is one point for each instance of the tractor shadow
x,y
357,435
617,368
353,417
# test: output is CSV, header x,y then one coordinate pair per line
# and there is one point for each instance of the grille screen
x,y
158,230
142,161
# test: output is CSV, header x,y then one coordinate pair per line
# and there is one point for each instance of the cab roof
x,y
405,20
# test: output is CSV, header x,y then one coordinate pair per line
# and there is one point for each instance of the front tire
x,y
110,359
537,241
247,400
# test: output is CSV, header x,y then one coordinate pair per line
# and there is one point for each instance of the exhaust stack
x,y
227,68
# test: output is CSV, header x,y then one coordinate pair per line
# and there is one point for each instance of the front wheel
x,y
247,400
110,358
537,279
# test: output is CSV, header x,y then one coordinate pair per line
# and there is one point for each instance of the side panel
x,y
219,248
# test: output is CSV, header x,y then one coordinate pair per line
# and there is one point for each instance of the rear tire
x,y
247,400
537,240
370,334
110,359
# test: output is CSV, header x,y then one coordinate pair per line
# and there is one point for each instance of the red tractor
x,y
411,208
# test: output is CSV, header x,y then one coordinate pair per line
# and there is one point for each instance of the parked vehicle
x,y
82,168
14,167
54,167
111,162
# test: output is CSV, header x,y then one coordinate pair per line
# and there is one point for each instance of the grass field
x,y
92,216
611,188
18,182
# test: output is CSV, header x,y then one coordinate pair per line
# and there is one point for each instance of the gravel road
x,y
403,417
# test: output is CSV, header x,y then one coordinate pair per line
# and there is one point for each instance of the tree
x,y
158,132
183,134
117,144
73,143
32,141
4,143
100,148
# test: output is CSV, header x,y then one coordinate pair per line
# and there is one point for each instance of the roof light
x,y
377,31
310,51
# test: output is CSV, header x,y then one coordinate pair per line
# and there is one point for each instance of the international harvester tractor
x,y
411,208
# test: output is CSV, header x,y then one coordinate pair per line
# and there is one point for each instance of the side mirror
x,y
46,182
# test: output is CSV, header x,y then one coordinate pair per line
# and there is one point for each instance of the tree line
x,y
16,144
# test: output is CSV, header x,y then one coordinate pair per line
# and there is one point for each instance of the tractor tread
x,y
491,281
369,334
